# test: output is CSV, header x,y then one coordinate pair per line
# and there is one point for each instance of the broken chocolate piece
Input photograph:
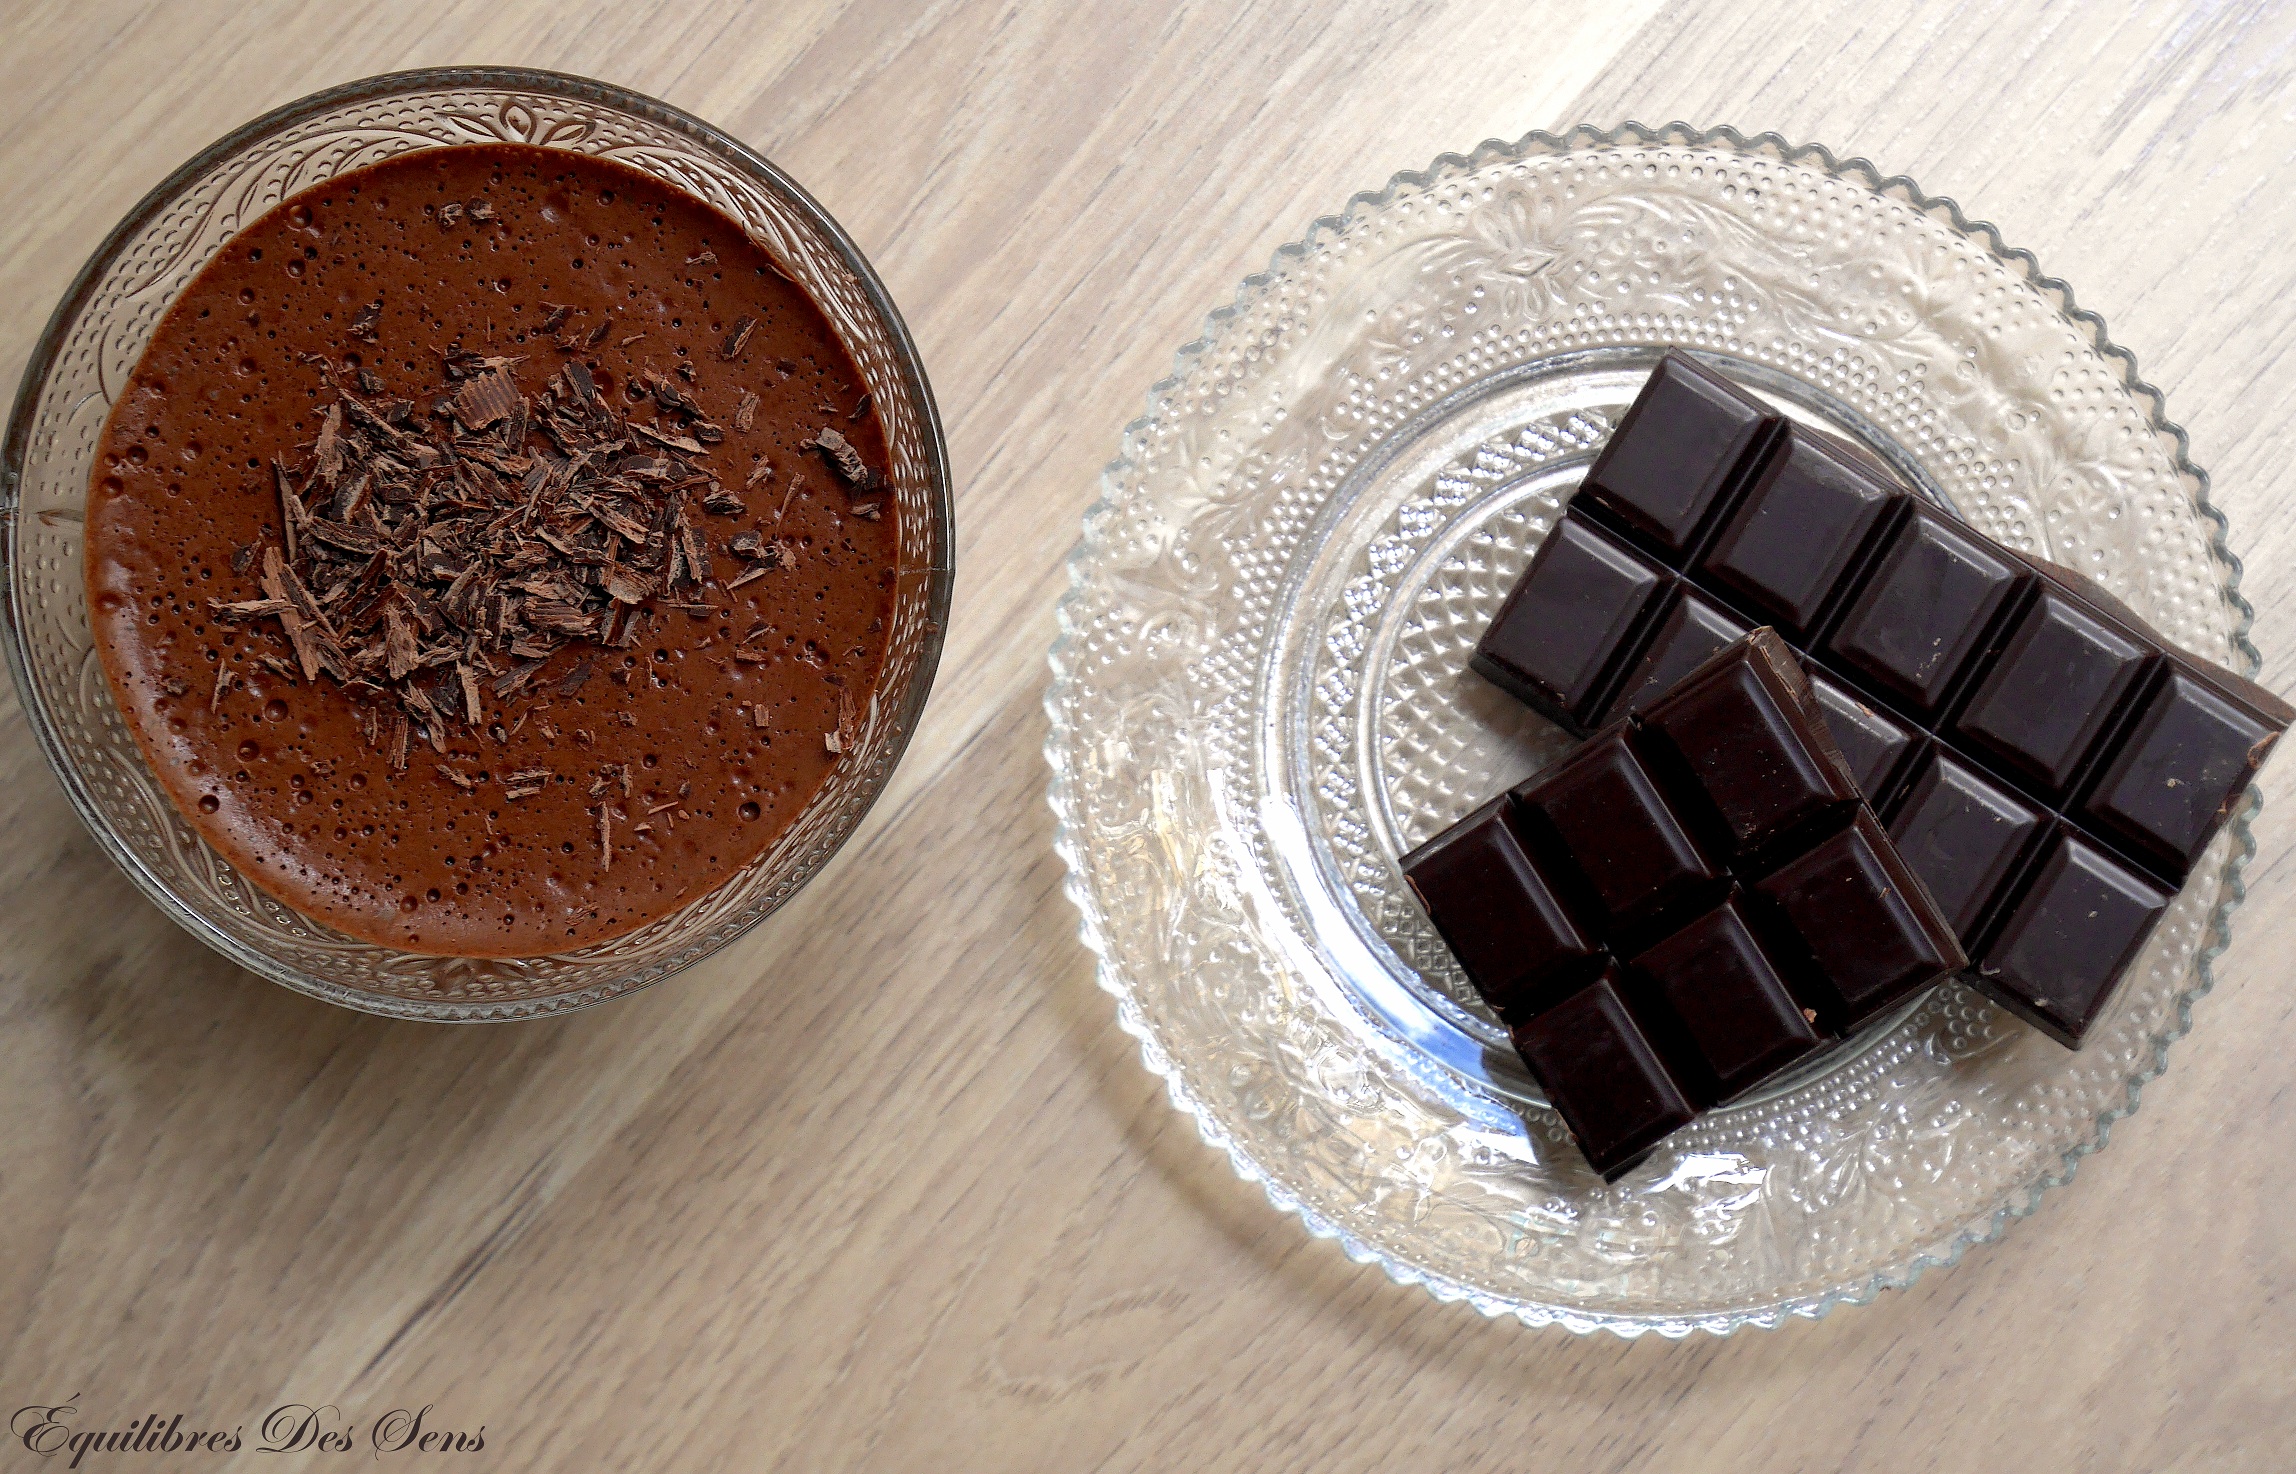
x,y
1697,897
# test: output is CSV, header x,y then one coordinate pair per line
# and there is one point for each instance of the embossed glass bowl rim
x,y
567,86
2018,1203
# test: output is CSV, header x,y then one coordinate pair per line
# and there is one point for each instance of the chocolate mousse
x,y
492,551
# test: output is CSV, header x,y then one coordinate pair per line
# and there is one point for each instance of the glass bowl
x,y
100,330
1260,698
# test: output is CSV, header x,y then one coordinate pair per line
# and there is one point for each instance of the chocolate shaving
x,y
290,511
242,611
625,587
327,456
364,325
399,645
526,782
672,399
703,257
342,535
734,340
840,739
667,438
472,711
689,541
745,411
481,211
290,618
487,399
860,409
841,455
449,214
353,497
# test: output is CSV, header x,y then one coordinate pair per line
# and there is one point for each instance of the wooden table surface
x,y
883,1187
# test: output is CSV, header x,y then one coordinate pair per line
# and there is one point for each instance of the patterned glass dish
x,y
1260,699
100,330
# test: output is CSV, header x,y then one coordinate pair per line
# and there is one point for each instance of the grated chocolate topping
x,y
429,564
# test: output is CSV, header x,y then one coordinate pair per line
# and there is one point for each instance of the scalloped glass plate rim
x,y
1942,1252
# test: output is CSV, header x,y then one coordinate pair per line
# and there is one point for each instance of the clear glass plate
x,y
1260,698
100,330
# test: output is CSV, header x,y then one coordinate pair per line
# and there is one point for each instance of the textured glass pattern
x,y
1260,699
93,343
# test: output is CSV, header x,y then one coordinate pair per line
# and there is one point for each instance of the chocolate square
x,y
1864,920
1676,453
1925,609
2180,769
1694,630
1602,1074
1613,829
1740,1023
1805,519
1873,743
1964,837
1748,736
1563,630
2058,958
1496,912
2061,676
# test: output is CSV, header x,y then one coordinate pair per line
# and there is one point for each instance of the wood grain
x,y
884,1187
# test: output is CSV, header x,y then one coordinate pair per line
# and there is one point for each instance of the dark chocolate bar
x,y
2049,765
1693,900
